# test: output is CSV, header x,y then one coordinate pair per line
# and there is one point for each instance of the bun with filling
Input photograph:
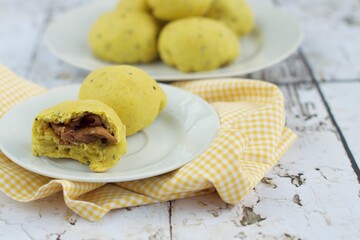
x,y
85,130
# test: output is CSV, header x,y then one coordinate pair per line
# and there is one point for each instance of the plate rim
x,y
107,179
191,76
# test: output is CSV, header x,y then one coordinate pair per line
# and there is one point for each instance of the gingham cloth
x,y
251,138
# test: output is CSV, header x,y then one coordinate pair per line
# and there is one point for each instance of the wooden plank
x,y
291,70
344,99
51,219
302,197
332,36
46,69
21,24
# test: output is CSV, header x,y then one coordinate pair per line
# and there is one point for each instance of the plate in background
x,y
275,37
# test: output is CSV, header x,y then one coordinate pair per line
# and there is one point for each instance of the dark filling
x,y
86,129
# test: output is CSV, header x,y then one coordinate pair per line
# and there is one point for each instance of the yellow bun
x,y
100,155
135,96
132,5
124,37
236,14
197,44
175,9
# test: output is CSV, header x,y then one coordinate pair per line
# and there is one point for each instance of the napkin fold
x,y
251,138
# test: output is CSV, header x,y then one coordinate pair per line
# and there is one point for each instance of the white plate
x,y
185,128
275,37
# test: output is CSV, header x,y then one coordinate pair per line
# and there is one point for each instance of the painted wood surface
x,y
312,193
331,36
344,102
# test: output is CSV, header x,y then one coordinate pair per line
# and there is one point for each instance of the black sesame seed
x,y
167,51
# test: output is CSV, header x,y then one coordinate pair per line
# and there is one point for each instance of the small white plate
x,y
185,128
274,38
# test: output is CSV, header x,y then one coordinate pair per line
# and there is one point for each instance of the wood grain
x,y
49,218
46,69
21,26
344,99
332,36
293,70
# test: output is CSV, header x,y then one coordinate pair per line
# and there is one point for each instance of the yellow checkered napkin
x,y
251,138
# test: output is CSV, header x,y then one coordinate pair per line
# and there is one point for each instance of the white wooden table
x,y
312,193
